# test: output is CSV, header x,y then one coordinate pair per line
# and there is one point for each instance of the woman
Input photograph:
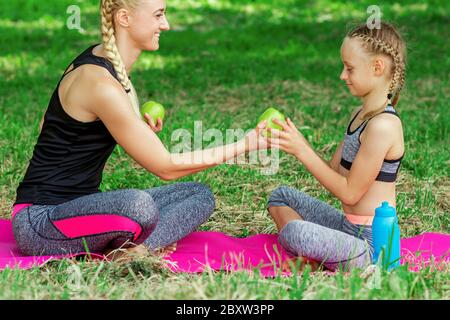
x,y
59,208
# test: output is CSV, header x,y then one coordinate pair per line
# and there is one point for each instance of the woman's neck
x,y
128,53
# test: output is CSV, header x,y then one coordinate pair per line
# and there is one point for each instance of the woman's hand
x,y
254,140
156,128
290,140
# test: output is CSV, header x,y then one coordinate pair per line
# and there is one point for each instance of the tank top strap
x,y
87,57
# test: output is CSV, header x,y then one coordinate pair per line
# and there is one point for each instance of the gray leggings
x,y
107,220
325,235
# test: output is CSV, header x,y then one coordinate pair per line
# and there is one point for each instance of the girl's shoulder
x,y
385,121
384,126
385,129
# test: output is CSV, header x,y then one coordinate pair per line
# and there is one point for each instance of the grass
x,y
146,279
223,63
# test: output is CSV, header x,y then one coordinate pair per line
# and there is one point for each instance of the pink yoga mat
x,y
202,251
10,255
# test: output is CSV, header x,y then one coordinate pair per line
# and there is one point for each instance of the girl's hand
x,y
290,140
156,128
254,140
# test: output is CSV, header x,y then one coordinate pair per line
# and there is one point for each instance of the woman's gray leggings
x,y
324,235
107,220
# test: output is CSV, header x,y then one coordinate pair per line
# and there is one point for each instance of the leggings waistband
x,y
359,219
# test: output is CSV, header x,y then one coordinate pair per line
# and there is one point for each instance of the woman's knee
x,y
141,206
206,196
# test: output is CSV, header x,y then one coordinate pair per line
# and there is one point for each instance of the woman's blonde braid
x,y
112,52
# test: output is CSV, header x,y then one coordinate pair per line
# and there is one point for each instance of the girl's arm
x,y
377,141
335,161
112,106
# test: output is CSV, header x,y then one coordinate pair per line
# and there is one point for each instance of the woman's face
x,y
147,22
358,71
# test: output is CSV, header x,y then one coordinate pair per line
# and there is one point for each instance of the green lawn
x,y
223,63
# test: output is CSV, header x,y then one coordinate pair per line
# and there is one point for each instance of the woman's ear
x,y
123,17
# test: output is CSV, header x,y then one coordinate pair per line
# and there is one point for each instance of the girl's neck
x,y
374,100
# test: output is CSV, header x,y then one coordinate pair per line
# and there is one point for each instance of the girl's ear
x,y
379,66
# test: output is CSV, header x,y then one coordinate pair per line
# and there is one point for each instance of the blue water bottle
x,y
386,237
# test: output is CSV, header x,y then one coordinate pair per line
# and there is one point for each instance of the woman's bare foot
x,y
171,248
127,254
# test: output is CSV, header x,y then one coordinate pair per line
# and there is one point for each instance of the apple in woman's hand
x,y
154,109
269,115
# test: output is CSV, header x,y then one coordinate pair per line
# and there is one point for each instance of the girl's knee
x,y
282,196
292,235
278,195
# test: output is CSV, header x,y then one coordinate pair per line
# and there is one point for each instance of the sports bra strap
x,y
367,121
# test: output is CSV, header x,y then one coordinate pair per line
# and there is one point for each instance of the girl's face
x,y
147,22
360,73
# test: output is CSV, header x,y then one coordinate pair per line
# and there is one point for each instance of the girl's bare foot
x,y
299,263
127,254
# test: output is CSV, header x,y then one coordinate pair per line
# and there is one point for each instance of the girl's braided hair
x,y
387,41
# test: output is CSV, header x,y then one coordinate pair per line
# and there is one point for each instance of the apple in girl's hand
x,y
154,109
269,115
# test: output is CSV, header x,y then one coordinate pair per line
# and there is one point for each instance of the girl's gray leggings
x,y
324,235
108,220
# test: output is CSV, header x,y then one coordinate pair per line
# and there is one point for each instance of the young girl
x,y
362,172
59,207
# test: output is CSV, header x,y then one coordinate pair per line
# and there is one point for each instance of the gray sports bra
x,y
352,142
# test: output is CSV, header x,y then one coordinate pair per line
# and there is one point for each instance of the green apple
x,y
154,109
269,115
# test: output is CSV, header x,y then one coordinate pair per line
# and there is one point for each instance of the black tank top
x,y
69,156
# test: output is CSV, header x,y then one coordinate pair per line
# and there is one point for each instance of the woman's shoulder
x,y
88,86
96,81
91,74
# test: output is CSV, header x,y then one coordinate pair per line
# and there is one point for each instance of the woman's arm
x,y
377,141
199,160
42,123
112,106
